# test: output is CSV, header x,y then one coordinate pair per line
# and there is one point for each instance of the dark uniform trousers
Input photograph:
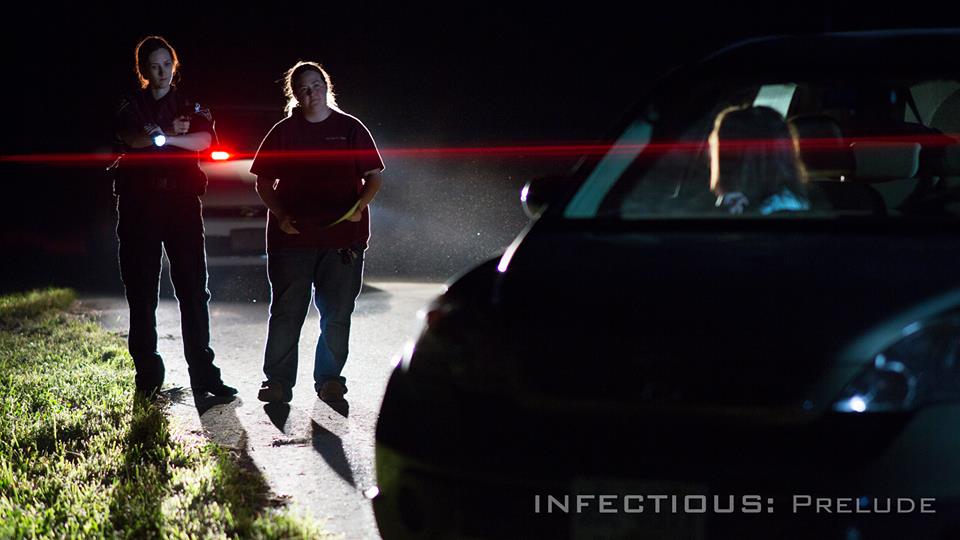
x,y
147,224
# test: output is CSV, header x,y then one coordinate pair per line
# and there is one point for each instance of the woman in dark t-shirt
x,y
317,172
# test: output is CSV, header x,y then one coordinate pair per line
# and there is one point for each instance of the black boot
x,y
216,388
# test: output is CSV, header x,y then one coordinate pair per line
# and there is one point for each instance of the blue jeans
x,y
336,284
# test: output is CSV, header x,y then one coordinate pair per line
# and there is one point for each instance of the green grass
x,y
80,459
30,304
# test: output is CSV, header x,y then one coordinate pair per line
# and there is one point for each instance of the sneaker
x,y
332,391
215,388
274,392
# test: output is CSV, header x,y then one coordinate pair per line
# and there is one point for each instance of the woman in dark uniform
x,y
158,186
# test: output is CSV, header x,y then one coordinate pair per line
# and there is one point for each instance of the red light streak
x,y
494,151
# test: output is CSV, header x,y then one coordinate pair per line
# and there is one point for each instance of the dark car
x,y
643,363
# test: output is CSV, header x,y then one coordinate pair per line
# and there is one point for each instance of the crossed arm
x,y
196,142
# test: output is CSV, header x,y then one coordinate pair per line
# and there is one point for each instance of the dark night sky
x,y
417,73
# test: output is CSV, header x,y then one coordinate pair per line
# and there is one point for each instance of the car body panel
x,y
694,353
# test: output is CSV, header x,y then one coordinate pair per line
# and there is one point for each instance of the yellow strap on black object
x,y
345,216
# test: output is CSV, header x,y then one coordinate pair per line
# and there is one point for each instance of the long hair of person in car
x,y
755,154
142,53
290,77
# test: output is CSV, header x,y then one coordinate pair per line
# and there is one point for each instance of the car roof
x,y
884,51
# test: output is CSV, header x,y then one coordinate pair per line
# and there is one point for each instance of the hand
x,y
735,202
356,216
181,125
286,225
152,130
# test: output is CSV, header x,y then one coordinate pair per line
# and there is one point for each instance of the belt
x,y
161,183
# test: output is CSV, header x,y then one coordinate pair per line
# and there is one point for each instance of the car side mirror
x,y
540,192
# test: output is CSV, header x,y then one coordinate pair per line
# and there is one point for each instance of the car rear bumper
x,y
456,465
417,501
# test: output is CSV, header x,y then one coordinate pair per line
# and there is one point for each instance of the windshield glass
x,y
784,149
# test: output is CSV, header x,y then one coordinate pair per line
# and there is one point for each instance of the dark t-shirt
x,y
318,167
140,166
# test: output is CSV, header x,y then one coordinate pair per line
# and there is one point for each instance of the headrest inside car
x,y
951,160
882,161
822,149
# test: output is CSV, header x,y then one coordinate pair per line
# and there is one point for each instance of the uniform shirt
x,y
317,168
142,165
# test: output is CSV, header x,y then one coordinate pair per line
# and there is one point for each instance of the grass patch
x,y
80,458
30,304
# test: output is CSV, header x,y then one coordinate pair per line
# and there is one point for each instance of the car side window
x,y
673,175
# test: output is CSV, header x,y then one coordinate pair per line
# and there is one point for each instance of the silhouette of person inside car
x,y
755,165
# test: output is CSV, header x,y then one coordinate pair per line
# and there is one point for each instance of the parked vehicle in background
x,y
235,216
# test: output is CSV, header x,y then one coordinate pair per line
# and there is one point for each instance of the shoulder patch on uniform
x,y
122,104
